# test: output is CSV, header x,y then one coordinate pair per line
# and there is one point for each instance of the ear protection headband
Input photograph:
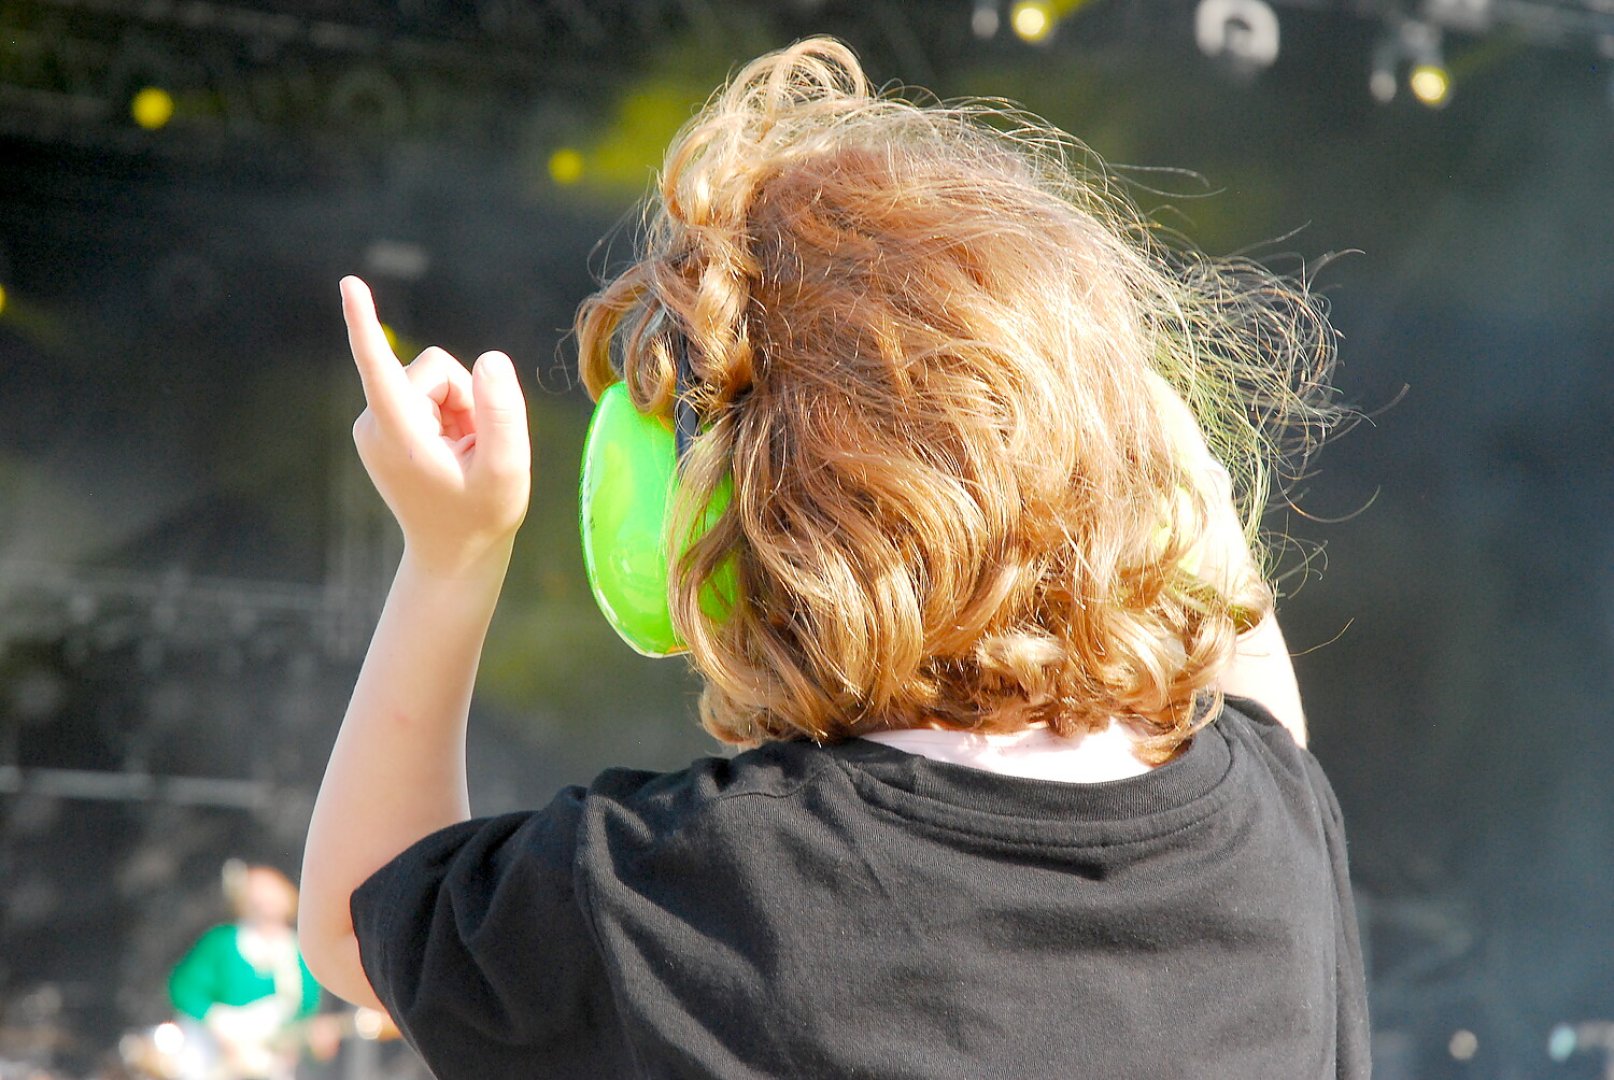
x,y
630,476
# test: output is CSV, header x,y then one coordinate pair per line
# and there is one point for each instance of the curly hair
x,y
928,342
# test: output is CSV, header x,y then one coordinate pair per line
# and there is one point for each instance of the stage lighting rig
x,y
209,78
985,19
1034,21
1243,33
1412,51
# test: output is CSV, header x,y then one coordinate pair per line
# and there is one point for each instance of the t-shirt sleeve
x,y
1353,1046
1253,710
1355,1039
476,941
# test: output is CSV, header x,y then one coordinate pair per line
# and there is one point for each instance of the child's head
x,y
927,345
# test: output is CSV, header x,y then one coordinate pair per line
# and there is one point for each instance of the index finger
x,y
384,381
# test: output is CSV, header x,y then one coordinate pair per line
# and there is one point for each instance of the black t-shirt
x,y
857,911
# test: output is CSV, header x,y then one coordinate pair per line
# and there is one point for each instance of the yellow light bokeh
x,y
152,108
566,166
1430,84
2,299
1032,20
392,336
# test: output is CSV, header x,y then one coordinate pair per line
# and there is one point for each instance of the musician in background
x,y
245,997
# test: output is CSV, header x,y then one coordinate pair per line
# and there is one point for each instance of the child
x,y
954,548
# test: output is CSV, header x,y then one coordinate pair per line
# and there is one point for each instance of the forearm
x,y
397,771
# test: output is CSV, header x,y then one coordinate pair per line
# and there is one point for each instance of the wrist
x,y
464,565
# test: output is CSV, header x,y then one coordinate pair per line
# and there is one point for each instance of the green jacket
x,y
215,973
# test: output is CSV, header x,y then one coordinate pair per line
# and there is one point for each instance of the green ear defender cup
x,y
630,465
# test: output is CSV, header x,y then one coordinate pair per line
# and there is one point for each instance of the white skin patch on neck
x,y
1035,753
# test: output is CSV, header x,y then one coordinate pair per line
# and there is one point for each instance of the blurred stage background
x,y
190,558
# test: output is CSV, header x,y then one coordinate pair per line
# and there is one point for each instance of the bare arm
x,y
1261,668
448,450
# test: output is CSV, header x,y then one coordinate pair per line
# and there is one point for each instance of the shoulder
x,y
1246,722
216,943
495,925
620,809
708,785
1245,719
715,826
222,936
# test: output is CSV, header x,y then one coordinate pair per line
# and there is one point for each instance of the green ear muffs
x,y
630,467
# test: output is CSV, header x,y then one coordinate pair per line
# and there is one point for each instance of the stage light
x,y
397,259
1562,1043
369,1024
152,108
1430,84
1382,84
1033,20
1244,33
566,166
168,1038
1463,1045
1415,49
984,19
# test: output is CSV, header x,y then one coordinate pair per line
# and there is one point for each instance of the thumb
x,y
502,445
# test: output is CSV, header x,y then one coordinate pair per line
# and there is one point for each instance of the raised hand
x,y
447,448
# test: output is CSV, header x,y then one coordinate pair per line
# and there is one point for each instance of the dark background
x,y
190,559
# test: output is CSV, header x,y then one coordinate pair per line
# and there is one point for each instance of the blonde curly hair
x,y
931,345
